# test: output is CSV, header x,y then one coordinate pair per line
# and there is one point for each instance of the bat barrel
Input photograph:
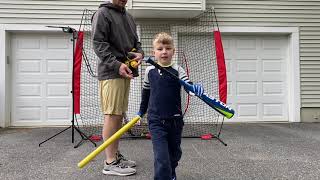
x,y
219,106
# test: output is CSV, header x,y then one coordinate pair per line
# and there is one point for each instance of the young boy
x,y
162,98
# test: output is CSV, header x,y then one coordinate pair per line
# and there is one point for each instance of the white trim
x,y
294,78
243,30
3,113
293,73
203,7
139,32
264,30
129,4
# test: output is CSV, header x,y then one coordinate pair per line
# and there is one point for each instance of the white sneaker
x,y
118,169
125,161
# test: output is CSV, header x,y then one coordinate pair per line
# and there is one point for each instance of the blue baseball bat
x,y
217,105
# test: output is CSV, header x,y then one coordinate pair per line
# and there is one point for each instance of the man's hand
x,y
137,57
125,72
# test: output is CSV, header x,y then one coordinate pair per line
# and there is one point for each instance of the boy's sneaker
x,y
117,168
126,162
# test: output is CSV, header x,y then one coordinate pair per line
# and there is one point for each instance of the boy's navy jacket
x,y
161,93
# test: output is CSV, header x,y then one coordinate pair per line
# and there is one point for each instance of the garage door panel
x,y
247,110
272,54
272,43
273,110
28,113
274,77
58,113
40,101
57,66
246,66
243,77
29,66
58,89
40,54
247,88
273,88
273,66
30,101
277,111
28,89
28,79
27,42
49,67
59,54
246,55
254,76
58,42
259,97
29,54
53,101
21,78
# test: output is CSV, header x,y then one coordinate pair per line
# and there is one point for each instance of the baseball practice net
x,y
195,41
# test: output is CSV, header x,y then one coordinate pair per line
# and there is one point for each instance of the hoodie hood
x,y
109,5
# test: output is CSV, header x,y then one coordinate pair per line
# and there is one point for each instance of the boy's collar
x,y
165,65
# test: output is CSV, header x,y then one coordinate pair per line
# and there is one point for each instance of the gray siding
x,y
60,12
304,14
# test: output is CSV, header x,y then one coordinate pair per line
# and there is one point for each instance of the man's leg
x,y
112,123
113,165
114,102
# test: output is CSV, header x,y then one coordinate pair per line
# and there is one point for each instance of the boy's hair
x,y
163,38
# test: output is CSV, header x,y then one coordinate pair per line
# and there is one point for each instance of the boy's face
x,y
163,53
121,3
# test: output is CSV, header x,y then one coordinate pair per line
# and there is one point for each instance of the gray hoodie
x,y
114,35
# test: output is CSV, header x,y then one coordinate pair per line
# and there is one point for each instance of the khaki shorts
x,y
114,94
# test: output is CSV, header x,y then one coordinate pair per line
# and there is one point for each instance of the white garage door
x,y
41,79
257,77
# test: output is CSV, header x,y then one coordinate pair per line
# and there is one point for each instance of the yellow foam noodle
x,y
109,141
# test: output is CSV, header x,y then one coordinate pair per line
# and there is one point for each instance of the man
x,y
114,35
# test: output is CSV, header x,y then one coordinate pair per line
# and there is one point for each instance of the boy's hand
x,y
140,114
197,90
125,71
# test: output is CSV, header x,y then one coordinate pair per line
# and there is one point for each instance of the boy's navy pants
x,y
166,140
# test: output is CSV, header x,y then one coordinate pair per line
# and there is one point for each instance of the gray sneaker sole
x,y
117,173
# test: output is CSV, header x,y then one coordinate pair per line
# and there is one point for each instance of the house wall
x,y
44,12
246,13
